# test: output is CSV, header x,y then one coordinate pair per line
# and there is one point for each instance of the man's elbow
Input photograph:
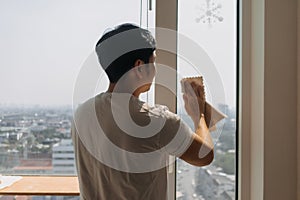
x,y
210,157
199,157
207,159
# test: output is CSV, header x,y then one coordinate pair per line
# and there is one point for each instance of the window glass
x,y
210,26
44,45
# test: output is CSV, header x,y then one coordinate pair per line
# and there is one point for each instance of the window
x,y
211,26
42,55
43,47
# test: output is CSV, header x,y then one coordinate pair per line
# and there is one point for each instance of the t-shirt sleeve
x,y
176,136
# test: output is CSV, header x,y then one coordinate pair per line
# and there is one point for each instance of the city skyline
x,y
37,141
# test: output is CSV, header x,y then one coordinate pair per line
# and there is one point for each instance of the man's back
x,y
117,160
98,181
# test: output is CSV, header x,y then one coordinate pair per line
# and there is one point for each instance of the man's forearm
x,y
203,132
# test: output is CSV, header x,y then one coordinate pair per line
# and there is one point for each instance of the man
x,y
122,144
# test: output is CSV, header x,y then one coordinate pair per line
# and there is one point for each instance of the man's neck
x,y
111,88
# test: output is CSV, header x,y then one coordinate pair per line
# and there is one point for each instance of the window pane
x,y
44,45
210,25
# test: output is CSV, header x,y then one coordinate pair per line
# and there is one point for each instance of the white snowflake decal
x,y
209,12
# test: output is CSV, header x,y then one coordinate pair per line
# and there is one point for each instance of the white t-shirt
x,y
122,147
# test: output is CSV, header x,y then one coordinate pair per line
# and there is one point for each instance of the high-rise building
x,y
63,157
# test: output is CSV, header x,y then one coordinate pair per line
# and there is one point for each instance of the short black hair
x,y
118,49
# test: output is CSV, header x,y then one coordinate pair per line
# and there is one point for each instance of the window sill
x,y
44,185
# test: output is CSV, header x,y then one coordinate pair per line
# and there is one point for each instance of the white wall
x,y
269,93
280,100
298,100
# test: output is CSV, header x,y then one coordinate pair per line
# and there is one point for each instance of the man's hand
x,y
201,150
194,101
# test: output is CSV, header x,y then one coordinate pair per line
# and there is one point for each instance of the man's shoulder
x,y
163,111
89,102
83,105
85,108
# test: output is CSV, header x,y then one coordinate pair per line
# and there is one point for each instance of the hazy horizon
x,y
45,43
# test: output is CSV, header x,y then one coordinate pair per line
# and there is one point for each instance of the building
x,y
63,157
213,184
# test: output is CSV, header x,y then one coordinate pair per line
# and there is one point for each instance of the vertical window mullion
x,y
166,17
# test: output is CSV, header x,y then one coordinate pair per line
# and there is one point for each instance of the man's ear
x,y
138,68
138,62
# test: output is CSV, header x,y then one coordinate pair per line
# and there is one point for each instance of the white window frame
x,y
166,17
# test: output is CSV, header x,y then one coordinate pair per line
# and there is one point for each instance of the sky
x,y
45,43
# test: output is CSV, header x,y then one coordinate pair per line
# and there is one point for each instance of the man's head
x,y
124,47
